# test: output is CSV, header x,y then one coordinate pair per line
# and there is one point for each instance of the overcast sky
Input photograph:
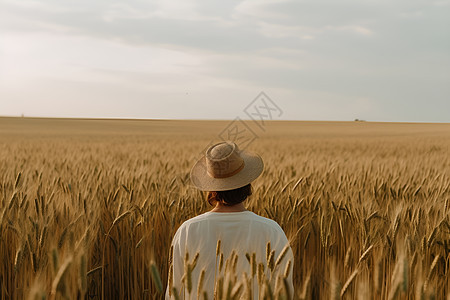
x,y
379,60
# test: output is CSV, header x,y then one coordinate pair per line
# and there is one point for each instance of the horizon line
x,y
209,120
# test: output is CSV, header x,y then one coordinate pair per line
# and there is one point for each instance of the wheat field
x,y
88,208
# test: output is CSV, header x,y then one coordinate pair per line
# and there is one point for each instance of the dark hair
x,y
230,197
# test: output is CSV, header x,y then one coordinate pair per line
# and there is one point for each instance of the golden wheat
x,y
89,208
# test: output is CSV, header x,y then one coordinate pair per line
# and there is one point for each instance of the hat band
x,y
227,174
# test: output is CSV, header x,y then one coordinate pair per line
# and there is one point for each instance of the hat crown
x,y
220,151
223,160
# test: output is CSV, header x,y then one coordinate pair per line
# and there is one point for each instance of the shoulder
x,y
195,220
248,216
256,224
267,223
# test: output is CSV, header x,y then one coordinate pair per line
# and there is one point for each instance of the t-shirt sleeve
x,y
285,266
177,263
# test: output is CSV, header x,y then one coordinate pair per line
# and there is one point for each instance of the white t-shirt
x,y
243,232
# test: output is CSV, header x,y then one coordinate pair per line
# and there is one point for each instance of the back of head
x,y
229,197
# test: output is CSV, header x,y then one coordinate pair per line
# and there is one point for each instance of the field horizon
x,y
214,120
43,123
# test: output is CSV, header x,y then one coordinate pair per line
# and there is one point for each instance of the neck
x,y
234,208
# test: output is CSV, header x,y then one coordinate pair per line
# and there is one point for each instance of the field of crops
x,y
88,208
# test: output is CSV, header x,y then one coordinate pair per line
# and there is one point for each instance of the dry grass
x,y
89,207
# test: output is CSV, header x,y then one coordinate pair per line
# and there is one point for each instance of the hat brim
x,y
253,167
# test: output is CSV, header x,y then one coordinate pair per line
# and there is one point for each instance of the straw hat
x,y
225,167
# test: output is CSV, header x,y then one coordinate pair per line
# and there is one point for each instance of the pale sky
x,y
377,60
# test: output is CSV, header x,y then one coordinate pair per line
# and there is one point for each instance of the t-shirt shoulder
x,y
269,222
246,215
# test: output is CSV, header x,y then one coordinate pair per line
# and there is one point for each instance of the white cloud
x,y
351,28
273,30
118,11
412,14
259,9
73,58
441,3
360,29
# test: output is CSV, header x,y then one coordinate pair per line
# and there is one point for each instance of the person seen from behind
x,y
229,251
